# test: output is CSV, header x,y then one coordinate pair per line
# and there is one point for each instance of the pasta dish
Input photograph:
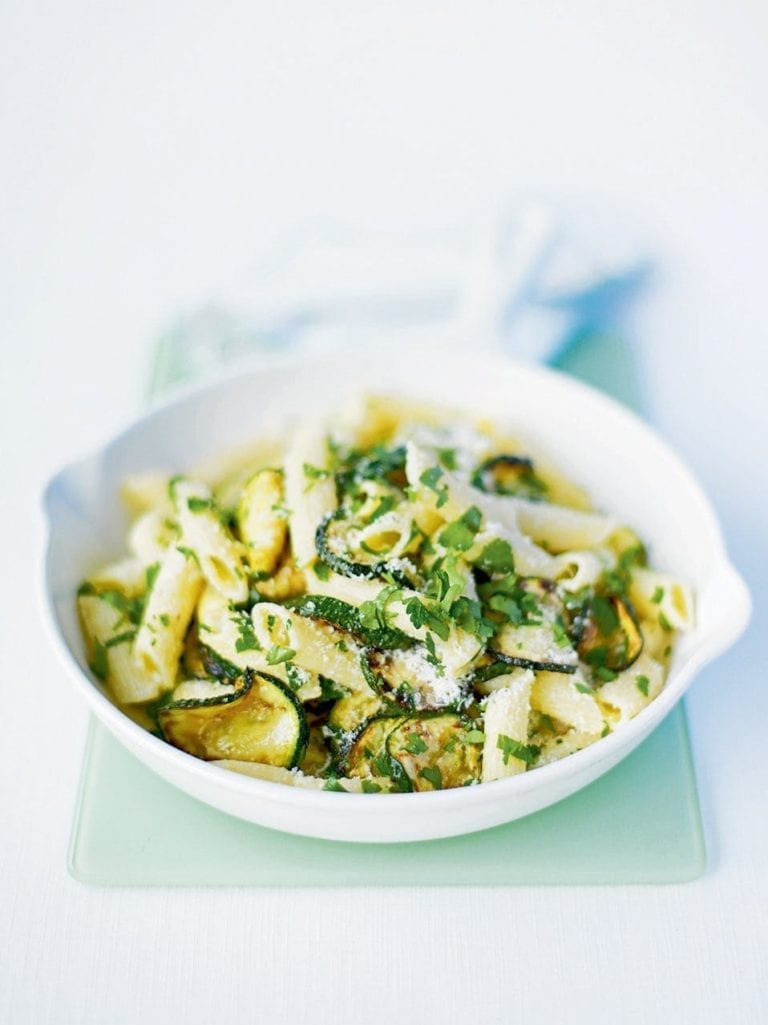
x,y
399,599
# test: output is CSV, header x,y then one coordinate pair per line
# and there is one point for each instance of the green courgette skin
x,y
367,754
346,617
528,663
384,746
217,667
212,728
615,649
456,762
347,568
550,609
527,484
488,670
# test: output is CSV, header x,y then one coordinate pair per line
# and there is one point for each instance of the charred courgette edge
x,y
627,625
346,617
527,663
348,568
248,675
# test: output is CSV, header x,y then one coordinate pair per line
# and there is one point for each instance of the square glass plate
x,y
640,823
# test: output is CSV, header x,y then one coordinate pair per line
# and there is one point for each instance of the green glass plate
x,y
637,824
640,823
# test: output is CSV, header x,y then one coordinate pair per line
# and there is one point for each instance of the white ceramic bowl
x,y
627,468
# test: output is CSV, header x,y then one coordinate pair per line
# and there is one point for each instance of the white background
x,y
150,152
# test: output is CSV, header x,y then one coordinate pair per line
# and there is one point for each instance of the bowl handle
x,y
736,603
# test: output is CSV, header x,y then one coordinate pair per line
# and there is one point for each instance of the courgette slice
x,y
411,679
258,721
368,756
434,751
509,475
349,712
346,617
608,635
533,647
375,463
345,566
540,642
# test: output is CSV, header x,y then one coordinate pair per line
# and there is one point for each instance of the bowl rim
x,y
609,749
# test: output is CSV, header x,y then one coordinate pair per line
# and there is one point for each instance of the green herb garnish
x,y
430,479
277,654
415,744
99,664
510,748
433,775
460,534
496,558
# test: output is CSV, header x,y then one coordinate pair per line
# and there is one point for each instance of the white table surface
x,y
149,153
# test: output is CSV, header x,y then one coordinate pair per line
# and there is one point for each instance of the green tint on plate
x,y
640,823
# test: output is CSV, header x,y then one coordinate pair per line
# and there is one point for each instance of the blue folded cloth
x,y
527,283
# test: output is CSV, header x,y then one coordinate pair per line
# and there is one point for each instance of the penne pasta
x,y
219,556
401,600
168,609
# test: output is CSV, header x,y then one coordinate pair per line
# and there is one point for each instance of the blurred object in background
x,y
529,281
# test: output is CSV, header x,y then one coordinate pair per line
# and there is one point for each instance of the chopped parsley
x,y
642,683
99,664
510,601
618,579
321,570
658,596
447,458
386,504
420,615
415,744
314,474
123,638
297,676
474,737
129,608
432,774
460,534
332,783
277,654
664,623
432,658
430,479
151,575
369,787
562,640
375,614
604,614
188,553
510,748
496,558
330,690
247,641
468,615
197,505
